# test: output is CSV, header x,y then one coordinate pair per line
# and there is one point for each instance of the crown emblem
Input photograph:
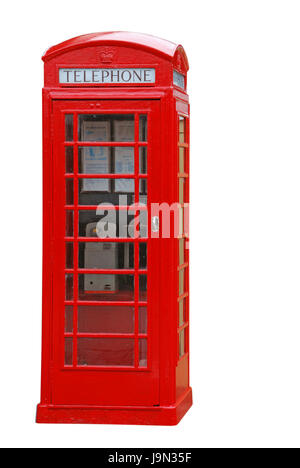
x,y
107,55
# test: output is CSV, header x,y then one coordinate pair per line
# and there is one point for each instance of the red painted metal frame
x,y
143,386
174,395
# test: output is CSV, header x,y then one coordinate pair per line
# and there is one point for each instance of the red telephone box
x,y
115,252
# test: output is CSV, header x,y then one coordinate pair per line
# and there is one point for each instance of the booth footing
x,y
138,415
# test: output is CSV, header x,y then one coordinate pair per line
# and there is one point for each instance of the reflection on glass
x,y
105,351
143,352
106,255
69,287
106,287
69,223
105,319
68,127
143,320
69,160
143,159
181,343
143,128
69,255
143,288
69,319
68,351
69,192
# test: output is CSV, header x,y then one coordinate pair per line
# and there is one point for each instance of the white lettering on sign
x,y
106,75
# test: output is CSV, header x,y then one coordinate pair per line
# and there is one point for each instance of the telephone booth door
x,y
106,269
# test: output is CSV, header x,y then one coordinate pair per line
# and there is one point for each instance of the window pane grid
x,y
183,258
75,313
73,175
136,249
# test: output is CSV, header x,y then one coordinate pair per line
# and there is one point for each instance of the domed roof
x,y
152,44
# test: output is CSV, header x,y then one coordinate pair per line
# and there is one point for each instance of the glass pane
x,y
181,190
143,256
97,127
143,288
123,127
69,192
124,185
69,255
69,160
94,128
92,185
69,287
105,351
101,287
143,128
94,160
143,352
106,191
181,251
181,343
124,160
103,160
110,224
143,224
69,223
182,131
106,255
69,127
181,221
69,319
143,320
181,282
181,160
182,312
105,319
143,160
93,225
143,192
68,351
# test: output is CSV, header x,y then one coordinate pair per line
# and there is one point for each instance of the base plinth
x,y
139,415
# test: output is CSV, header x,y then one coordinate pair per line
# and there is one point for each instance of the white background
x,y
244,86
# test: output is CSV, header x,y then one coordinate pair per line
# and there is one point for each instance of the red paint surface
x,y
160,393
